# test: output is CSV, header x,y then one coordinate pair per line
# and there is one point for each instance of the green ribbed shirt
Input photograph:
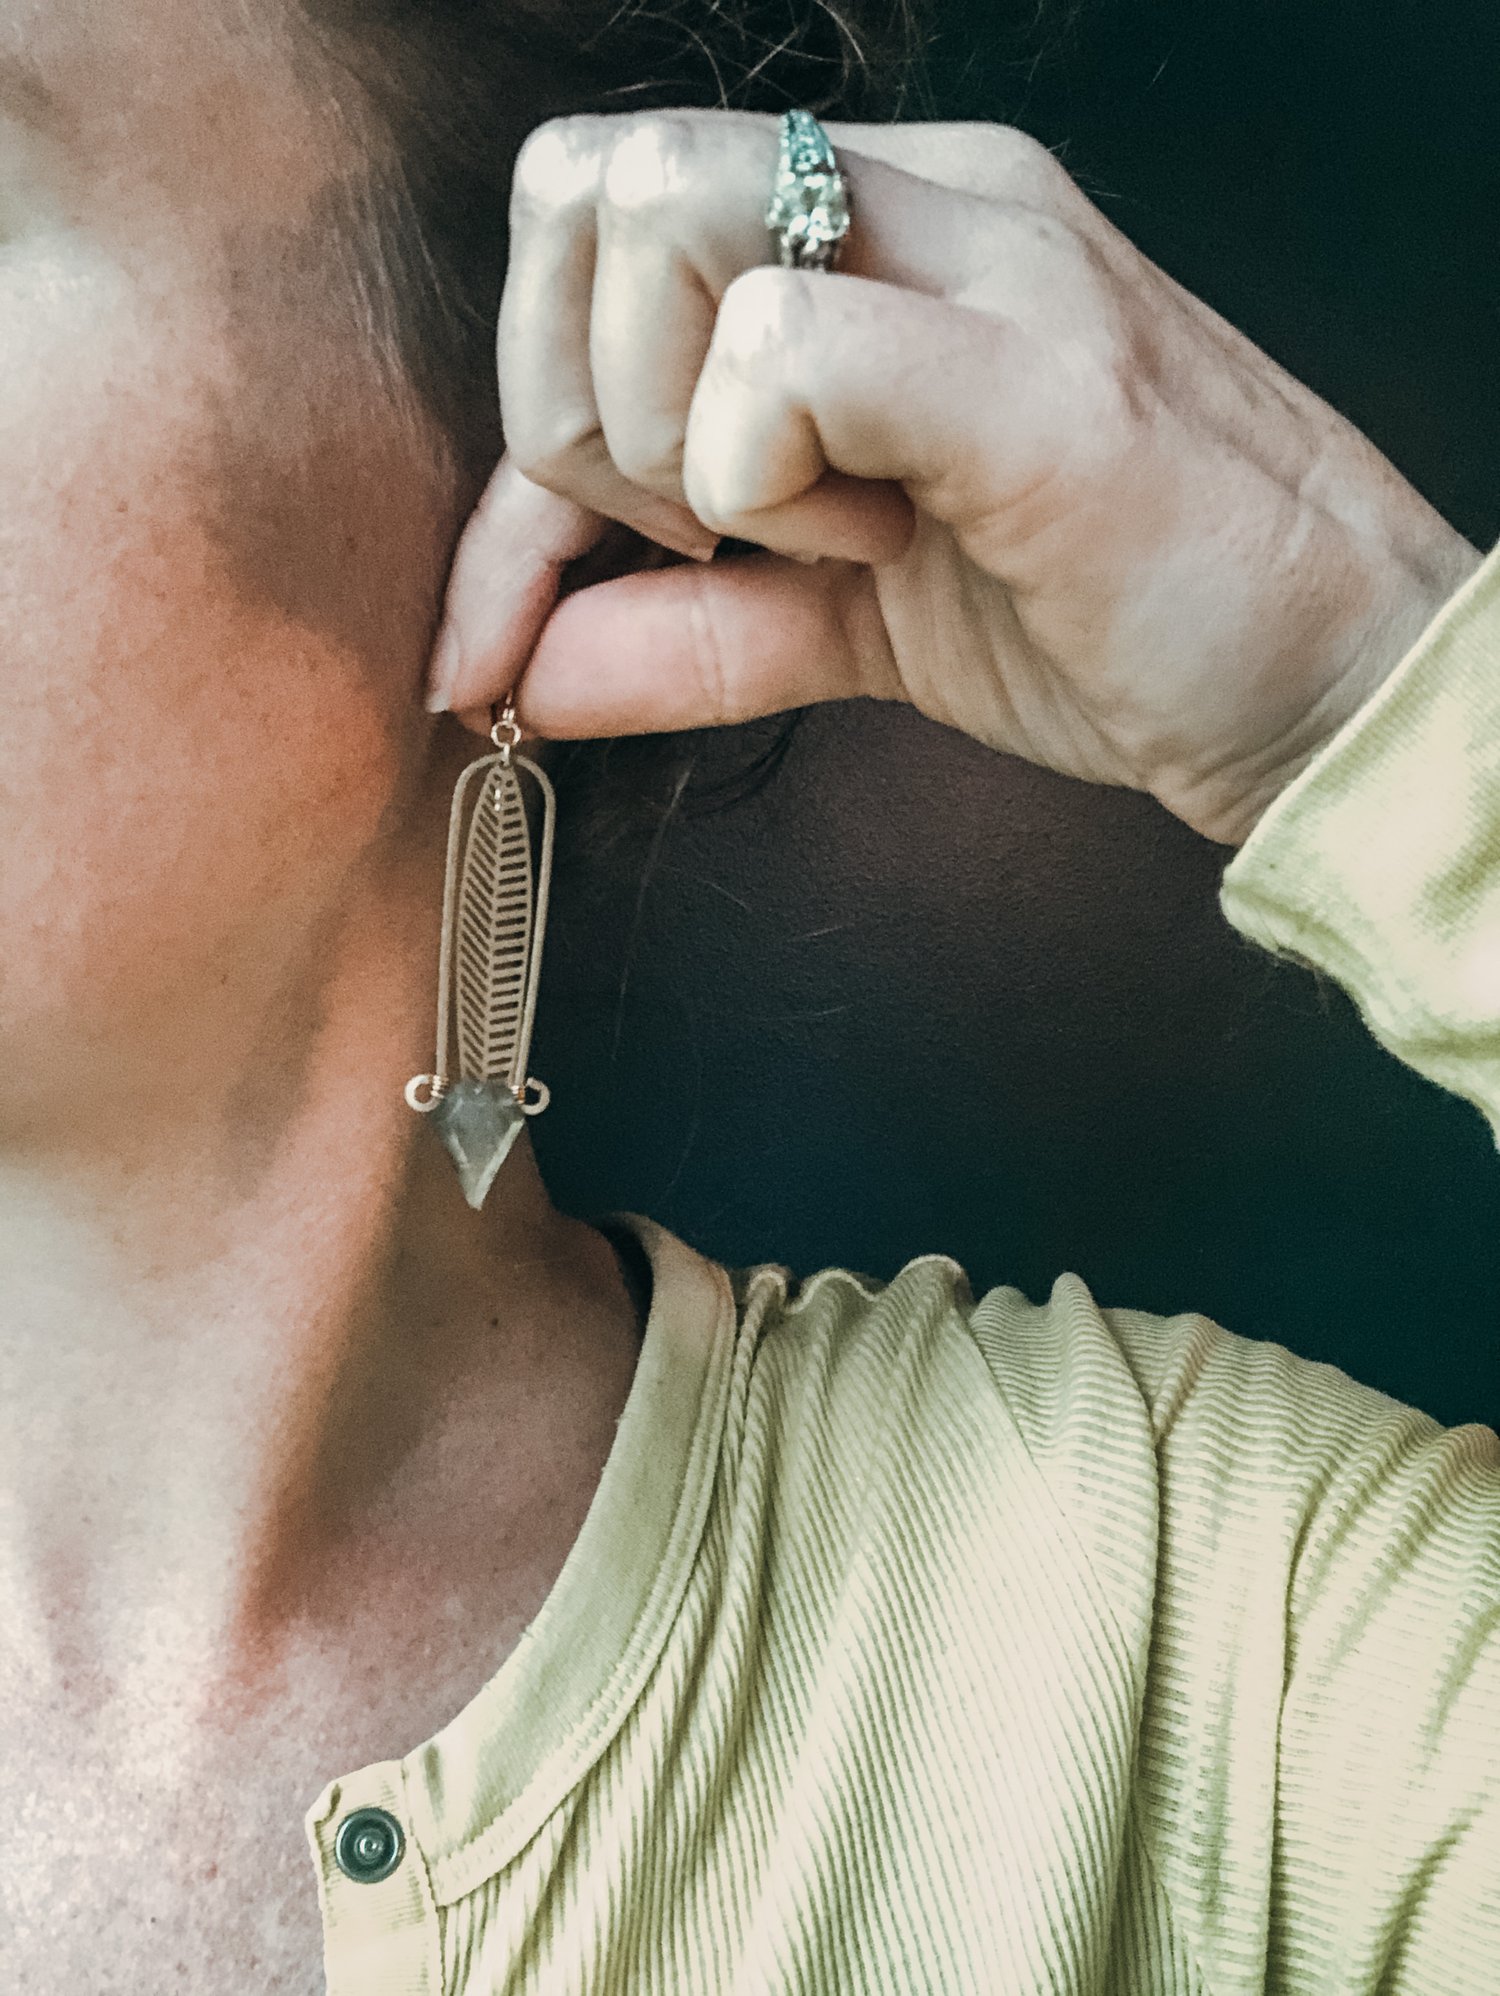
x,y
918,1644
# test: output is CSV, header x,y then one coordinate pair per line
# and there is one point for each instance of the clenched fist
x,y
1000,466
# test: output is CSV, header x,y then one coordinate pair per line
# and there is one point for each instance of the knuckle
x,y
650,456
713,479
545,448
1012,164
700,500
1008,145
557,166
647,167
762,317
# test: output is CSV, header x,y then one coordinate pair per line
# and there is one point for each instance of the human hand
x,y
1026,482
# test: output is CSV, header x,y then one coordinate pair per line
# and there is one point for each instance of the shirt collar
x,y
478,1791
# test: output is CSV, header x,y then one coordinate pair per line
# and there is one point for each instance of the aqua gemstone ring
x,y
808,214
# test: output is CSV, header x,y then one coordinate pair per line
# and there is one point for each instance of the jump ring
x,y
438,1087
506,732
543,1097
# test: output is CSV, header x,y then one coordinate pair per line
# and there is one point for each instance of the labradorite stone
x,y
478,1121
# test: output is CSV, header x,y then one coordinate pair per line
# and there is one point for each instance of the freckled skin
x,y
221,557
292,1444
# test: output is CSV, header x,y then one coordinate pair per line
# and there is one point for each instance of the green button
x,y
369,1845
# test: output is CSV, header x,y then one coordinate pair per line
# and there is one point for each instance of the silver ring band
x,y
808,215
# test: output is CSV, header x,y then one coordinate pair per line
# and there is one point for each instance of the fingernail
x,y
694,541
443,671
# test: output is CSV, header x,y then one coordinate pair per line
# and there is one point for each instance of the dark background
x,y
916,996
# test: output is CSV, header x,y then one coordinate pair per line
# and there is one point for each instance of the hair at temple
x,y
445,91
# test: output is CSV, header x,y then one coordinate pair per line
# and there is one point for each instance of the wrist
x,y
1415,585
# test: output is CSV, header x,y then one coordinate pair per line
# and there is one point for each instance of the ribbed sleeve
x,y
1381,863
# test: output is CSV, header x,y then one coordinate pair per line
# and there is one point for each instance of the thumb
x,y
698,647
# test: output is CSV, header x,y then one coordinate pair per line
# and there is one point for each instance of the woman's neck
x,y
239,1343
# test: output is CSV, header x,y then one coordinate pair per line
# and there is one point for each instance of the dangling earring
x,y
490,962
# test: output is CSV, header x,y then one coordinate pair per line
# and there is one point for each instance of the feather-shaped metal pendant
x,y
494,928
494,920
